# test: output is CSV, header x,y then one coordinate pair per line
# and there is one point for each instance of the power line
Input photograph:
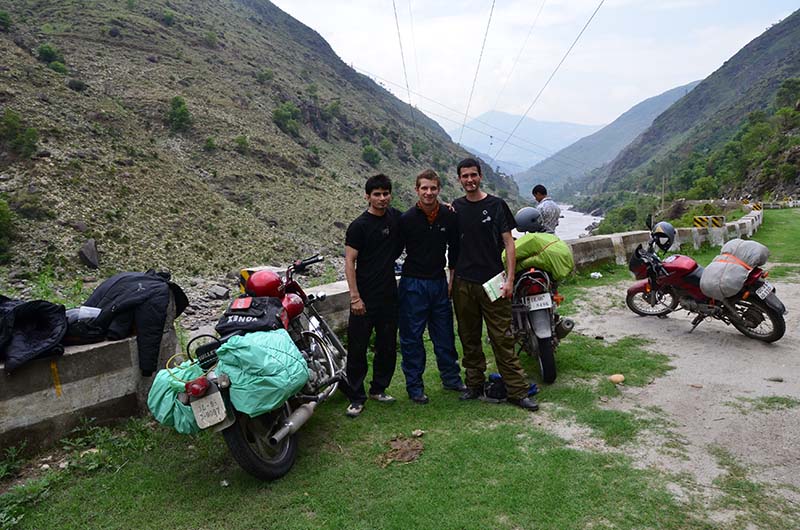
x,y
551,77
543,150
414,44
475,79
403,59
519,55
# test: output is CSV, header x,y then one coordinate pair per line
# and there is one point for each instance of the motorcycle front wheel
x,y
760,321
248,442
666,302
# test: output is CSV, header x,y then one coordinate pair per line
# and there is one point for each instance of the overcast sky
x,y
632,50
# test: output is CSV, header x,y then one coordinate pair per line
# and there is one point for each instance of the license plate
x,y
765,290
209,409
538,301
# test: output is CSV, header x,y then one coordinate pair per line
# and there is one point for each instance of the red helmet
x,y
293,305
264,283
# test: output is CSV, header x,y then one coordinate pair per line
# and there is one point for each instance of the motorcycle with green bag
x,y
274,361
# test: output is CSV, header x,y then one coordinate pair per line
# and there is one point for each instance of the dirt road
x,y
714,398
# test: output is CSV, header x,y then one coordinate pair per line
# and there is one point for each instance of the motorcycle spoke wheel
x,y
324,352
761,322
666,302
248,442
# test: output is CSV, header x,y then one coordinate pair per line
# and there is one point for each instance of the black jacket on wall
x,y
29,330
136,302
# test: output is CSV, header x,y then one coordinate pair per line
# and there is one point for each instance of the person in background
x,y
484,224
429,232
550,210
372,244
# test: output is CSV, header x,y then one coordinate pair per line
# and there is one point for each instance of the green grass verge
x,y
763,404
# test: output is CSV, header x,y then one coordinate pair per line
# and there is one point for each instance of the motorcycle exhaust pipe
x,y
564,327
293,422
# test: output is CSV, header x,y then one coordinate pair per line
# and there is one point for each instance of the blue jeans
x,y
425,302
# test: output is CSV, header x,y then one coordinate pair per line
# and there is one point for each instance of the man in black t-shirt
x,y
372,244
485,223
428,231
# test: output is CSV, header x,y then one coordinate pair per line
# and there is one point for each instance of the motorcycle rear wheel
x,y
547,360
763,322
248,442
666,302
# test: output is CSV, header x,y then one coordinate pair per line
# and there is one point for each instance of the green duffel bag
x,y
163,397
544,251
265,368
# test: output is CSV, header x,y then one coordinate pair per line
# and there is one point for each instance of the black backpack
x,y
30,330
251,313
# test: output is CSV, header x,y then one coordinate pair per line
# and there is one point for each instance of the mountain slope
x,y
578,159
242,184
533,141
711,113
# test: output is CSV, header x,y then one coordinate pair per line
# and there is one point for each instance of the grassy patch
x,y
763,404
784,272
754,504
780,233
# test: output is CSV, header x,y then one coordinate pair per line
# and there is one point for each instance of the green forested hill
x,y
194,135
709,116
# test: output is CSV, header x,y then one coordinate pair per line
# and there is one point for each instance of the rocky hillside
x,y
198,136
710,115
576,161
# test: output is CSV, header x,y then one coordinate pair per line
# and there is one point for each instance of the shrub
x,y
77,85
57,67
332,110
241,144
265,76
49,53
210,145
168,18
285,117
418,148
5,21
210,39
371,156
20,140
386,146
365,141
5,231
178,117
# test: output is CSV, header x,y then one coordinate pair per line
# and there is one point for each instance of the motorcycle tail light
x,y
746,295
647,288
558,299
765,274
535,288
198,387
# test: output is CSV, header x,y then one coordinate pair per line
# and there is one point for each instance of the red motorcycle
x,y
266,445
666,284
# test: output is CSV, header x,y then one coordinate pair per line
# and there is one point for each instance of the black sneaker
x,y
526,403
421,399
459,388
471,393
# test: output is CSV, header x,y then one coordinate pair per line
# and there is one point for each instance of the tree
x,y
178,117
371,156
788,94
285,117
48,53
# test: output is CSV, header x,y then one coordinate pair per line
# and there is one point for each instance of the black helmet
x,y
663,235
529,219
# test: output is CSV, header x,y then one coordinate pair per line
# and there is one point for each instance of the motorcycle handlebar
x,y
300,264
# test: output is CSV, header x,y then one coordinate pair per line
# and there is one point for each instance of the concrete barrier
x,y
42,401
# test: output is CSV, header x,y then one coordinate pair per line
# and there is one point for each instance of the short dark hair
x,y
468,162
428,174
379,181
539,189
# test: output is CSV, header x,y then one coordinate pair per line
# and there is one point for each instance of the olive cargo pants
x,y
473,308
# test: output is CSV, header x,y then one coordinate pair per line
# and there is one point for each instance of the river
x,y
572,224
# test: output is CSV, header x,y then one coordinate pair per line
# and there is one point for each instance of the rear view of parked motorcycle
x,y
275,361
733,288
536,323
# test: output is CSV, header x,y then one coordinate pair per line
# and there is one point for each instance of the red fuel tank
x,y
679,265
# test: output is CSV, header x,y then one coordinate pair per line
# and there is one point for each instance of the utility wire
x,y
519,55
475,79
403,59
414,44
550,78
568,161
